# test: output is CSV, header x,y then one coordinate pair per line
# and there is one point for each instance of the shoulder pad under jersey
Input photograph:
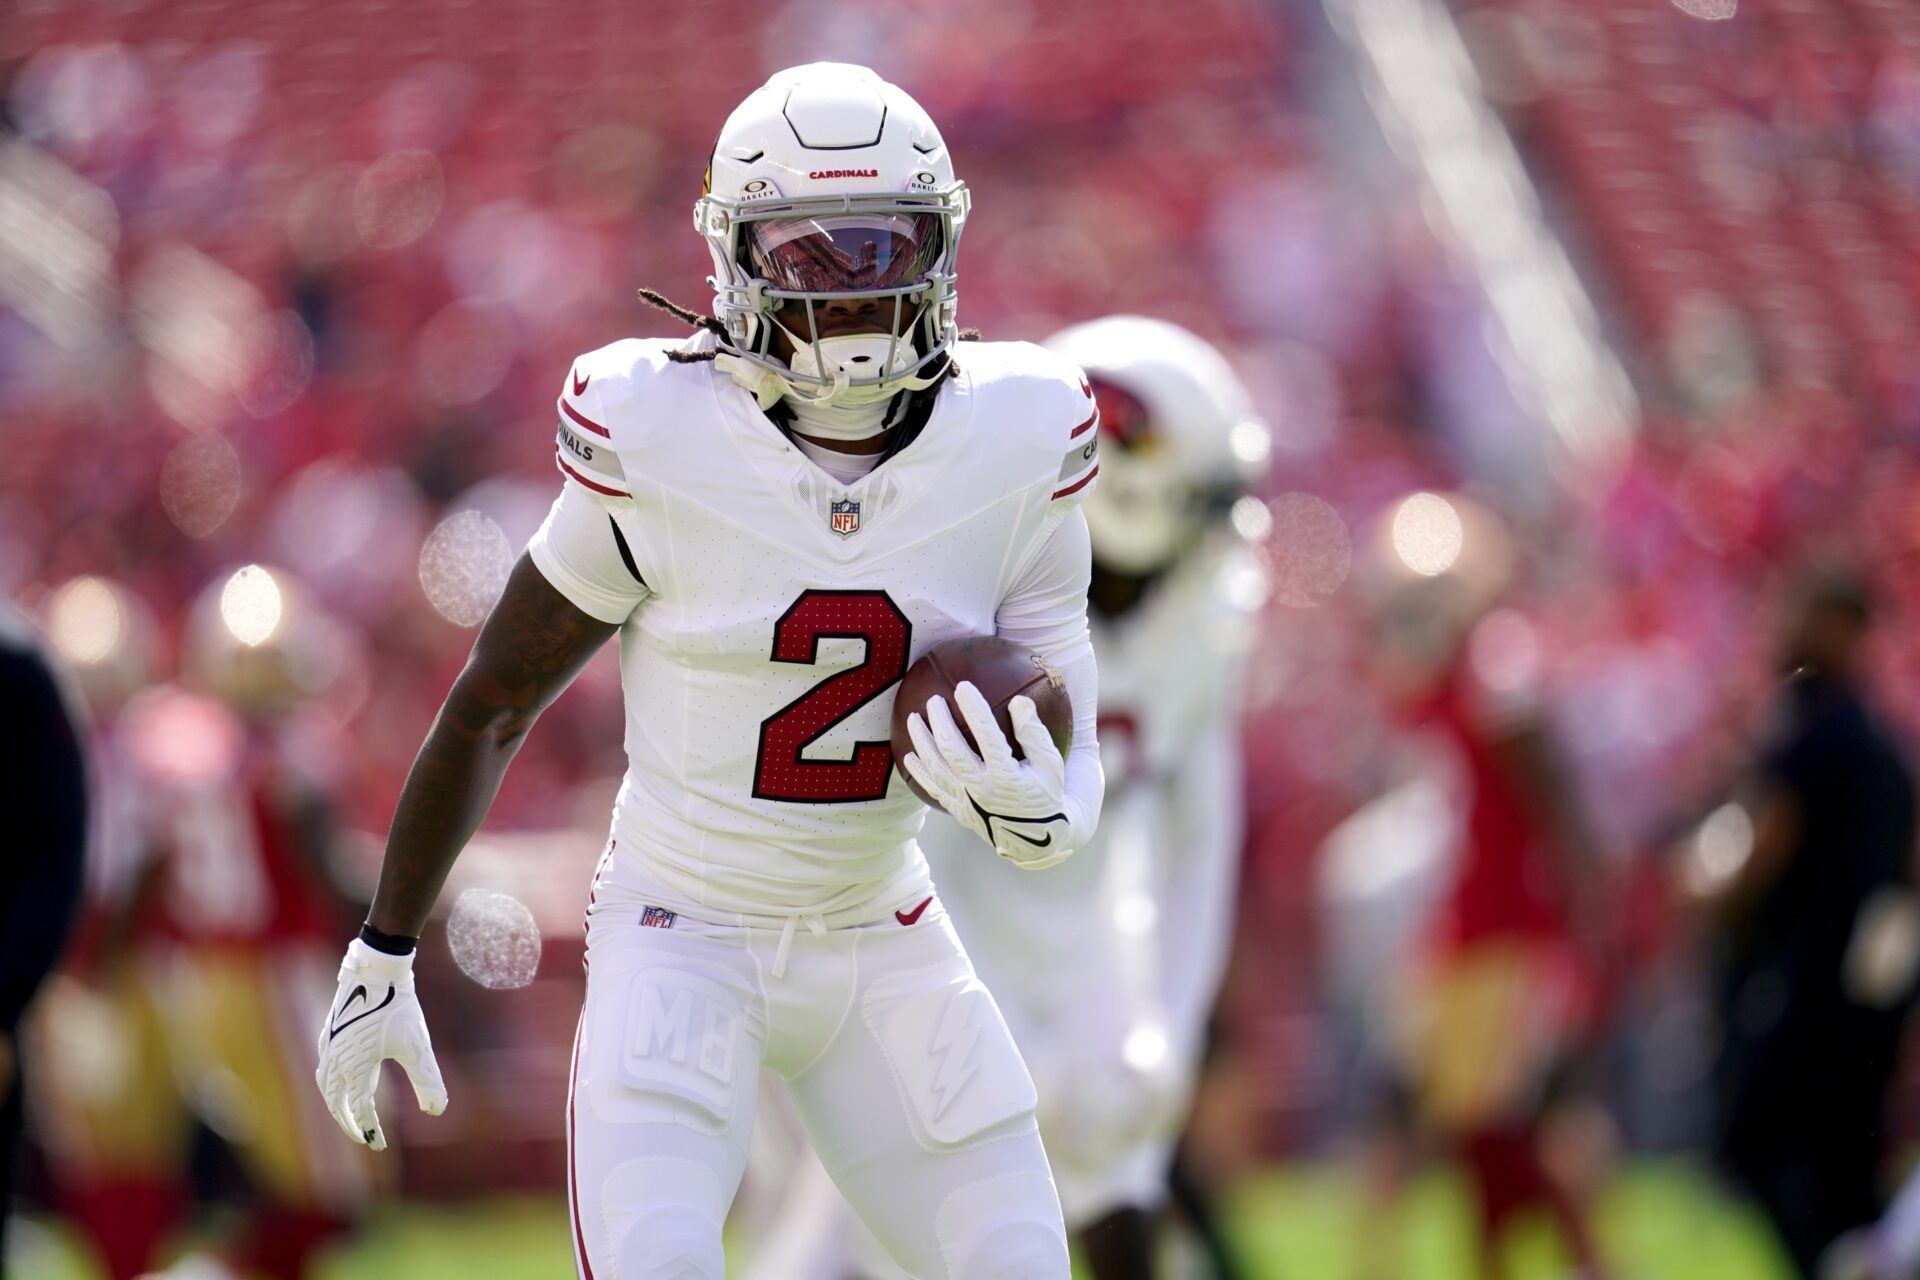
x,y
1042,401
604,406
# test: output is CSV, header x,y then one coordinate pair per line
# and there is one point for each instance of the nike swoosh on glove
x,y
1017,806
374,1016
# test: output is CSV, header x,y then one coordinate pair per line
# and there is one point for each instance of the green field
x,y
1658,1222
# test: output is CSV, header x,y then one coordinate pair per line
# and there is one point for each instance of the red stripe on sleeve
x,y
1071,489
597,488
584,421
1084,427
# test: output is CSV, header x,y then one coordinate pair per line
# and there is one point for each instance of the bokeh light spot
x,y
1427,534
494,939
1710,10
200,484
1250,442
1308,550
1720,849
84,621
398,198
1251,519
1145,1048
250,605
463,567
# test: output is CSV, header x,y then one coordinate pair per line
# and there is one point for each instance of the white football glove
x,y
1017,806
374,1016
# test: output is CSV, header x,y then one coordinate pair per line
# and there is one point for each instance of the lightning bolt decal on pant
x,y
952,1049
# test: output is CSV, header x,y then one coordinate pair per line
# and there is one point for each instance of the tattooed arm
x,y
531,647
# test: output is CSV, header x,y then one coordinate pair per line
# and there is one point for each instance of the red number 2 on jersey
x,y
778,771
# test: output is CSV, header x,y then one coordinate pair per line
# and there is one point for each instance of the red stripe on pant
x,y
593,895
573,1159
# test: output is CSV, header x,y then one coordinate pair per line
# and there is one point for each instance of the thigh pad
x,y
680,1052
951,1055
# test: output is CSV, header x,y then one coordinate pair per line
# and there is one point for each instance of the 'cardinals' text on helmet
x,y
1180,439
829,183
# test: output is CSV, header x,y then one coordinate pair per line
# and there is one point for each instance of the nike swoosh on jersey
x,y
580,383
988,818
908,917
359,993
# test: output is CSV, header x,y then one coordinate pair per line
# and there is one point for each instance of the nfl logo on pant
x,y
657,918
844,516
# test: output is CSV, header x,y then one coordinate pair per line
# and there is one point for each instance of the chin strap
x,y
768,388
765,386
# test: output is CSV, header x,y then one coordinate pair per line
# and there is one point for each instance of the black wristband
x,y
393,944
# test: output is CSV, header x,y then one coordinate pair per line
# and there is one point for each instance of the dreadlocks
x,y
687,315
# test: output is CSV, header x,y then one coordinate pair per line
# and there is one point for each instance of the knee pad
x,y
663,1220
670,1242
1016,1251
1004,1228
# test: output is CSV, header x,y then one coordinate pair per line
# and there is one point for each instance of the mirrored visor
x,y
844,253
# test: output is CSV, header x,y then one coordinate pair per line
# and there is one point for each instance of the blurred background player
x,y
1107,966
1496,998
43,795
178,1017
1814,935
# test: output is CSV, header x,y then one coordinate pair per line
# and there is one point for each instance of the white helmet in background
x,y
829,183
1180,439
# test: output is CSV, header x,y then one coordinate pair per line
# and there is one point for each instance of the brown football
x,y
1001,670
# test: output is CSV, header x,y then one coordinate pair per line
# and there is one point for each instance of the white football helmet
x,y
829,183
1180,439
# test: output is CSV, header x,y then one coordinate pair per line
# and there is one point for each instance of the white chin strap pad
x,y
852,355
844,358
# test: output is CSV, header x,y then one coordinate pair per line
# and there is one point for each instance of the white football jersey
x,y
781,606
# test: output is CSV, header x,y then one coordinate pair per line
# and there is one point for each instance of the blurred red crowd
x,y
293,283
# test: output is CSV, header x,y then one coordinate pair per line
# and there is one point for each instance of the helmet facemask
x,y
898,251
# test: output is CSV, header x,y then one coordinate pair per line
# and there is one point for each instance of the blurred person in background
x,y
817,463
1108,966
209,928
1499,996
96,1042
1812,924
43,793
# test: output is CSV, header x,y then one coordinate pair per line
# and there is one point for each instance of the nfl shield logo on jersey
x,y
844,516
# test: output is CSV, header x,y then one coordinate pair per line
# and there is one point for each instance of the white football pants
x,y
899,1064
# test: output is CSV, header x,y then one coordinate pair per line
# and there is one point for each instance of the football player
x,y
1499,1006
210,927
776,516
